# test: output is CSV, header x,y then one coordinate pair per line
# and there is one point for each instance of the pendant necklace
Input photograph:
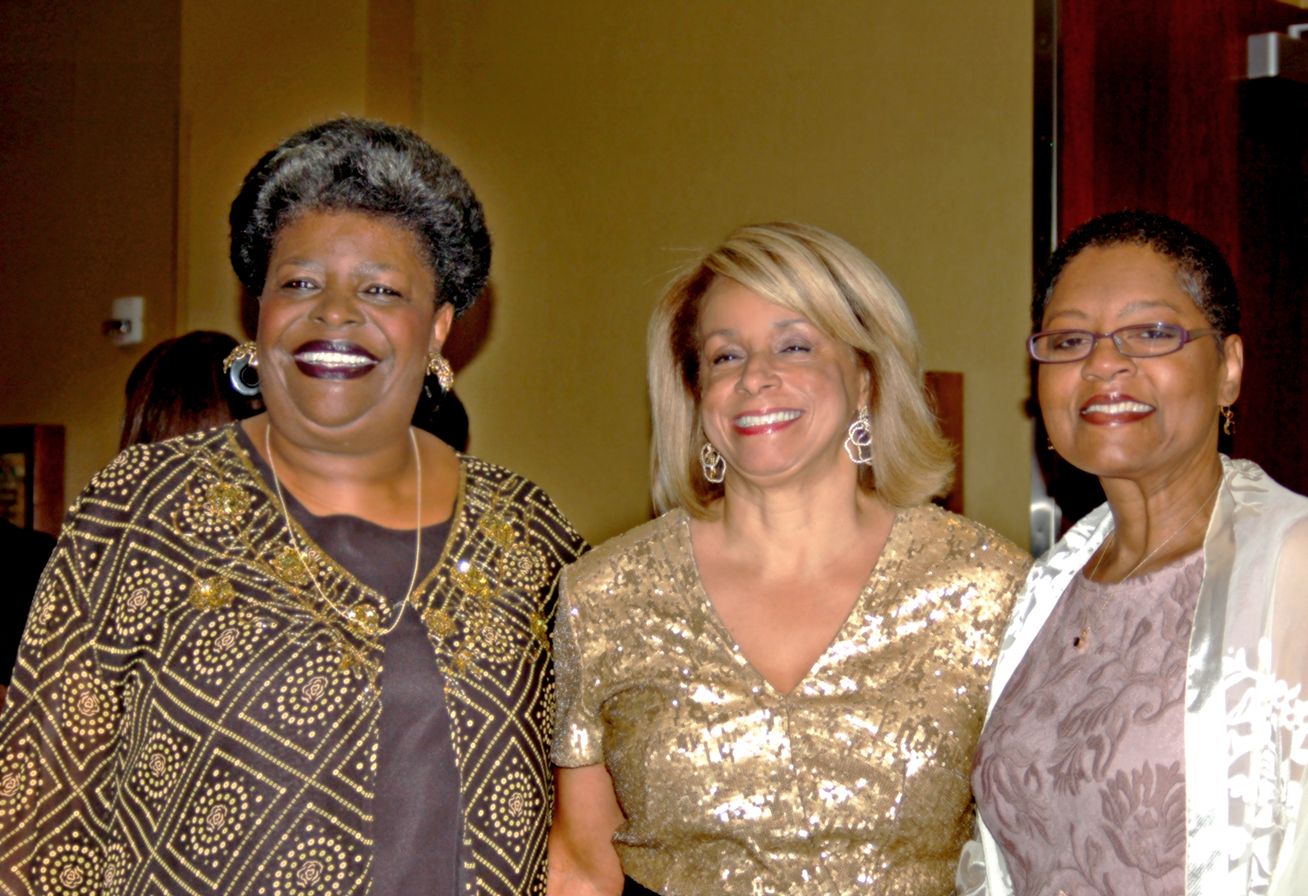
x,y
353,616
1079,642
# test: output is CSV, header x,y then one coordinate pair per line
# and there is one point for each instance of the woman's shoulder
x,y
1259,494
633,555
983,546
492,492
132,475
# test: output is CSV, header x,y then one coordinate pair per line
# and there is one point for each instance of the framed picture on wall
x,y
32,476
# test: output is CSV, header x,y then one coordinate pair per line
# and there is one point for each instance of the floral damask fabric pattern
x,y
1079,773
1246,712
187,715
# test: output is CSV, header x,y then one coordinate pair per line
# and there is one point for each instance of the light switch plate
x,y
129,319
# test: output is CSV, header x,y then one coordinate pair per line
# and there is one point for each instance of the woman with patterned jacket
x,y
309,652
1148,730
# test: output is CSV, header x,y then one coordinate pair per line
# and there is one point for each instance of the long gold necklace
x,y
1079,642
350,615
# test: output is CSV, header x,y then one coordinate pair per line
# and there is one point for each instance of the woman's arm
x,y
582,859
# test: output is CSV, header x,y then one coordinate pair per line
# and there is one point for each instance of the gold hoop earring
x,y
440,368
1228,420
712,463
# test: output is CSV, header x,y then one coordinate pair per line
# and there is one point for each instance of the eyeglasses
x,y
1139,341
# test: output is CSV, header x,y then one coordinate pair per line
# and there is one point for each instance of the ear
x,y
1232,363
864,387
440,326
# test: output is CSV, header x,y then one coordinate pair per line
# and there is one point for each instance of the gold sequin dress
x,y
188,716
856,781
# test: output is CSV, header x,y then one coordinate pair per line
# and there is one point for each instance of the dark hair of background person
x,y
354,165
179,387
442,415
1201,271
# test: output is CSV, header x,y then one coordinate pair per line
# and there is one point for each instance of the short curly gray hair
x,y
352,164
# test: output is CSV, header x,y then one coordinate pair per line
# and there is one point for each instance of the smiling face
x,y
1115,416
346,319
776,394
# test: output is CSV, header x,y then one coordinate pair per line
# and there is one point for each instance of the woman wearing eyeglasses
x,y
1147,732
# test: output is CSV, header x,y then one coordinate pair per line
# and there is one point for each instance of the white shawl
x,y
1246,716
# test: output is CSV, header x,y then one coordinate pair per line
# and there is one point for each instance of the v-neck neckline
x,y
711,613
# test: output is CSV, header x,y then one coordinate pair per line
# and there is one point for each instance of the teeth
x,y
334,359
750,420
1119,407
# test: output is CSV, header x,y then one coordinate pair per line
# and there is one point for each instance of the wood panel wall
x,y
1154,113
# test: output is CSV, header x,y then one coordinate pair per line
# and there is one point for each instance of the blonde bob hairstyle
x,y
843,294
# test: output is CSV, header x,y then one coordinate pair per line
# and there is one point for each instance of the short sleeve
x,y
579,733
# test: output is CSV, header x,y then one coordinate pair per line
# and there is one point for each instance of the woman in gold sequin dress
x,y
777,685
307,653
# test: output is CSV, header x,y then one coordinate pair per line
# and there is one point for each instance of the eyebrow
x,y
1132,308
372,267
777,325
366,267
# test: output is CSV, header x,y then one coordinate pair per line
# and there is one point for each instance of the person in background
x,y
179,387
1148,727
23,555
776,686
443,415
307,652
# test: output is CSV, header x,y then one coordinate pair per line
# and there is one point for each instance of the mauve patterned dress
x,y
1080,771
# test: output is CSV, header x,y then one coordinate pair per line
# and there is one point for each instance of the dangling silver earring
x,y
440,368
858,444
242,368
715,468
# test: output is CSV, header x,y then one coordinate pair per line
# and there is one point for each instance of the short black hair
x,y
352,164
1201,271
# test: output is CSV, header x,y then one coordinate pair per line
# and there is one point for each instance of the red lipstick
x,y
1115,409
753,423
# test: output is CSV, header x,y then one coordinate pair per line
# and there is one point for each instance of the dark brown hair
x,y
179,387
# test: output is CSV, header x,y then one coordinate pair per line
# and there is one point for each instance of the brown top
x,y
1079,773
854,781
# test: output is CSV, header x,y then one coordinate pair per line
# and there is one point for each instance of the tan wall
x,y
253,72
610,141
88,102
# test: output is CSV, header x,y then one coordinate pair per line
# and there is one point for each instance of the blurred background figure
x,y
179,387
23,553
444,416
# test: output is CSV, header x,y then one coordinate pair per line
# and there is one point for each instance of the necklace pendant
x,y
1079,641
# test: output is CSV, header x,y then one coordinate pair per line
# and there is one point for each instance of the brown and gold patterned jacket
x,y
188,716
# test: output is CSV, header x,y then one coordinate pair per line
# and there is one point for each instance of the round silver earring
x,y
712,463
242,368
858,444
440,368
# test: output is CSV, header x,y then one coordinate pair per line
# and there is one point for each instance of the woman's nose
x,y
758,372
1106,361
337,306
